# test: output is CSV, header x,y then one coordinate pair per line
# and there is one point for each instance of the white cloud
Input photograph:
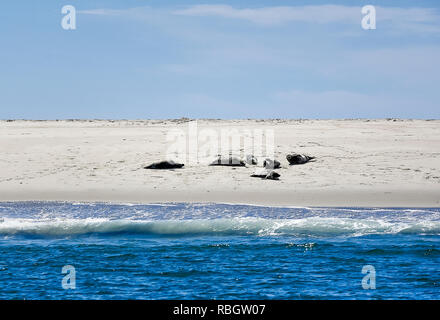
x,y
101,12
142,13
411,18
401,19
277,15
104,12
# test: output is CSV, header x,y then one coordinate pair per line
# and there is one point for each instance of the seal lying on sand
x,y
228,161
271,164
250,159
266,174
295,158
164,165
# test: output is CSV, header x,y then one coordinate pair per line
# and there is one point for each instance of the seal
x,y
266,174
271,164
228,161
165,165
251,159
296,158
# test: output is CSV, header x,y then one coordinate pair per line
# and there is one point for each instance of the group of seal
x,y
267,172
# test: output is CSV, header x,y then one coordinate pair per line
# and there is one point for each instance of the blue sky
x,y
219,59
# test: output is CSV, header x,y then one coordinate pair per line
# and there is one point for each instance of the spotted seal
x,y
271,164
251,159
228,161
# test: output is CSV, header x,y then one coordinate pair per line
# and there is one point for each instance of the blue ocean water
x,y
217,251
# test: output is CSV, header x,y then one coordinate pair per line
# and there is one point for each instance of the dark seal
x,y
295,158
165,165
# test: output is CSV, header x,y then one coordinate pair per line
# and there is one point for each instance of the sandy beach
x,y
374,163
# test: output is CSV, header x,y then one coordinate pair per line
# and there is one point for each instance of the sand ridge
x,y
359,163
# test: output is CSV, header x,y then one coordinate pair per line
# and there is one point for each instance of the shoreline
x,y
352,199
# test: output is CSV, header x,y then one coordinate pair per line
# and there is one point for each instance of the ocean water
x,y
217,251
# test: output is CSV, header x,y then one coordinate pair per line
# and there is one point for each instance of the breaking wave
x,y
311,226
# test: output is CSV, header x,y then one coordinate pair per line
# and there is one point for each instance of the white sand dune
x,y
359,163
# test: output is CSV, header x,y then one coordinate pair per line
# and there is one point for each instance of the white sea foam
x,y
311,226
63,218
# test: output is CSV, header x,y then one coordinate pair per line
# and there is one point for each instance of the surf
x,y
313,226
